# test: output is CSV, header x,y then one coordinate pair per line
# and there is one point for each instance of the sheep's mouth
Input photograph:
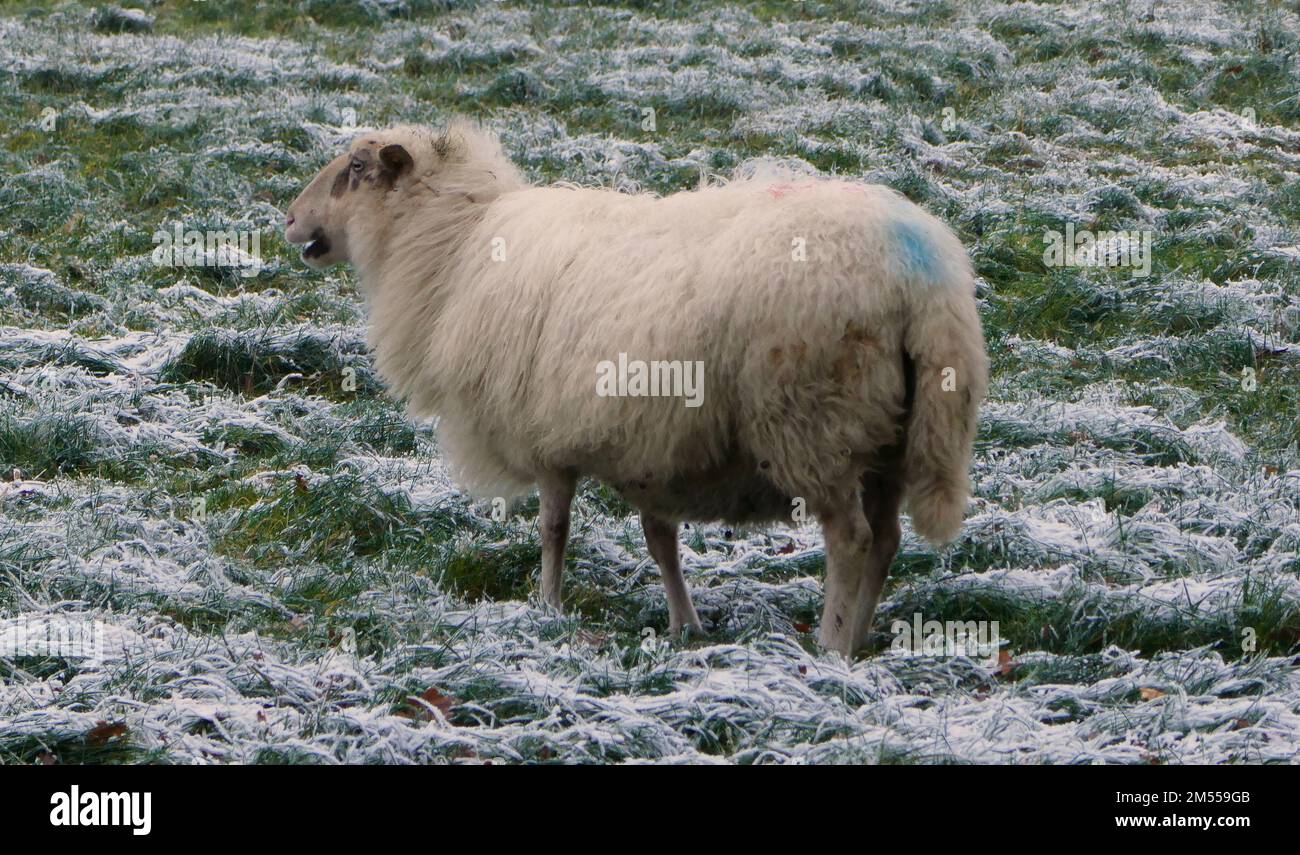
x,y
318,246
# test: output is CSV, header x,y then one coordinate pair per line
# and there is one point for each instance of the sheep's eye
x,y
357,165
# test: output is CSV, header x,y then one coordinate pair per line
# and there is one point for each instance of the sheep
x,y
843,358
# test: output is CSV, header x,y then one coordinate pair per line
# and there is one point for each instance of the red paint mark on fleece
x,y
779,191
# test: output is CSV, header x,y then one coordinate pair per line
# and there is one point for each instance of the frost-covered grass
x,y
205,464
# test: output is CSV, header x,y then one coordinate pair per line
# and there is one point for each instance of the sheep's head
x,y
346,210
322,216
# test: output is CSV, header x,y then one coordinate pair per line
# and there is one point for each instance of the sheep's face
x,y
321,216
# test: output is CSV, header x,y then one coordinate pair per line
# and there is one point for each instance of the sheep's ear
x,y
395,160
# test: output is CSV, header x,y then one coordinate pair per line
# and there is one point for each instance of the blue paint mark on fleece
x,y
920,256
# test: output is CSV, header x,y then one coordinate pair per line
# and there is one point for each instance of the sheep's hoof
x,y
686,632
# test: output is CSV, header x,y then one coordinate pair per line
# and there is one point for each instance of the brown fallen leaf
x,y
802,627
104,731
787,549
1005,663
413,709
1150,694
595,639
46,759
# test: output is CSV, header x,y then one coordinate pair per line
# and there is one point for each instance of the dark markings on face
x,y
363,166
340,185
360,167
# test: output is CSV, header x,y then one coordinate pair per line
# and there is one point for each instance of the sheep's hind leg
x,y
661,540
881,498
848,545
556,492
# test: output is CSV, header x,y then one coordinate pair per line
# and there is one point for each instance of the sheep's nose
x,y
288,221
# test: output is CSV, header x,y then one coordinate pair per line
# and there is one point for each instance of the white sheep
x,y
842,357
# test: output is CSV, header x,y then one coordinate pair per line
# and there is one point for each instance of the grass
x,y
258,362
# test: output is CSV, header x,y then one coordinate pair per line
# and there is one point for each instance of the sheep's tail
x,y
945,357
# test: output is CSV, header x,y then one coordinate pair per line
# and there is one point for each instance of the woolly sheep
x,y
843,360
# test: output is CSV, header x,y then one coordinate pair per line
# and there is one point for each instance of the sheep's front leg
x,y
661,540
848,545
556,491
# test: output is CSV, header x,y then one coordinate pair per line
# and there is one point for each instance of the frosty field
x,y
201,465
